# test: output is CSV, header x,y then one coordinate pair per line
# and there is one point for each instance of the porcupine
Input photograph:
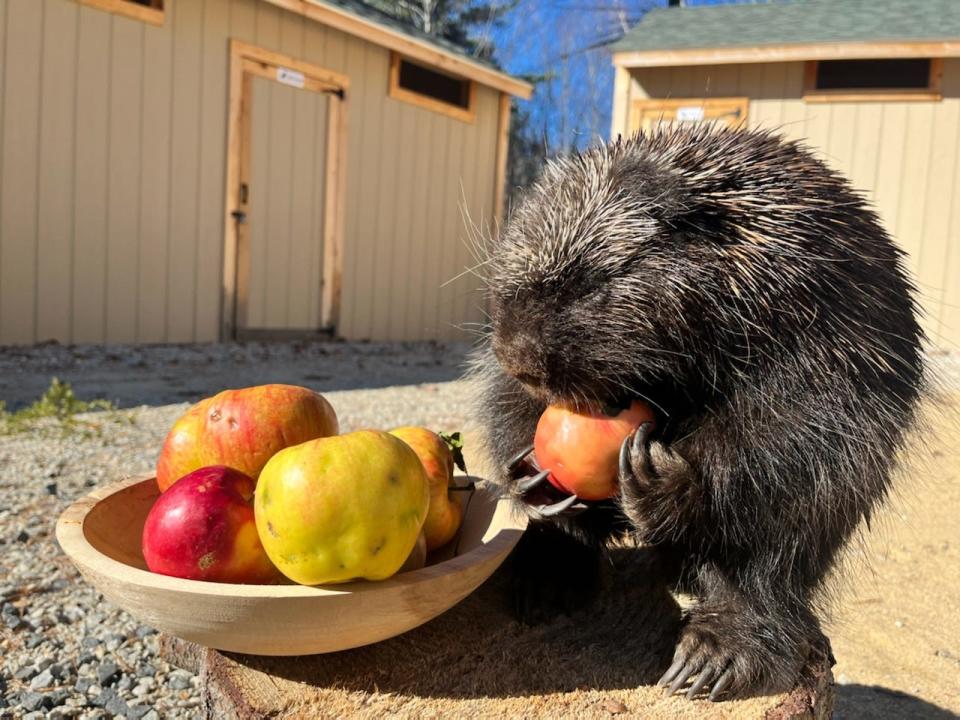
x,y
754,300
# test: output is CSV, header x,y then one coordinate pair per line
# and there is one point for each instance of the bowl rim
x,y
73,541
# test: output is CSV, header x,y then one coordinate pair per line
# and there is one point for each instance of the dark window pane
x,y
873,74
433,84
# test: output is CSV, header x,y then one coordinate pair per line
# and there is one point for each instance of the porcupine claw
x,y
558,507
528,483
567,507
519,458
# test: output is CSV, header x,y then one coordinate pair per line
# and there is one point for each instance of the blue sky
x,y
553,37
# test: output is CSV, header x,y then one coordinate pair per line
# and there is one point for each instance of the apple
x,y
243,429
445,514
582,450
203,528
339,508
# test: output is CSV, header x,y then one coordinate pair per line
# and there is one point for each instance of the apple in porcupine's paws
x,y
203,528
445,514
582,450
243,429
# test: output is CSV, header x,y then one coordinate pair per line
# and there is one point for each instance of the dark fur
x,y
752,297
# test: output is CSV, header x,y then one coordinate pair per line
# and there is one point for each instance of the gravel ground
x,y
66,652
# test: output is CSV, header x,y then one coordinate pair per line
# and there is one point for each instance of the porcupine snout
x,y
521,355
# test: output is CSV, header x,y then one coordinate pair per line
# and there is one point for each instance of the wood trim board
x,y
786,53
248,61
503,147
152,14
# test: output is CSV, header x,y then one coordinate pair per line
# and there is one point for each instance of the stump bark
x,y
476,661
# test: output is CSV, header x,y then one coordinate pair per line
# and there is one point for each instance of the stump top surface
x,y
476,661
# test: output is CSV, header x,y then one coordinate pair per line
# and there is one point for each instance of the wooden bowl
x,y
101,534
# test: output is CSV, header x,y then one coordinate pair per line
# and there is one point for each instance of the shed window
x,y
432,89
150,11
887,79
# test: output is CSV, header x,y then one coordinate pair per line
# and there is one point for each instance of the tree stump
x,y
476,661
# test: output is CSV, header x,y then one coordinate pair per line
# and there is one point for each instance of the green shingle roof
x,y
793,22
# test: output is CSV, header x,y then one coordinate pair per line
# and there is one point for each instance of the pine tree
x,y
467,23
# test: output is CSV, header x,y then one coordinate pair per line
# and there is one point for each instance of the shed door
x,y
285,180
647,114
284,196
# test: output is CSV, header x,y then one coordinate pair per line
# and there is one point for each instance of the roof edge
x,y
408,45
728,55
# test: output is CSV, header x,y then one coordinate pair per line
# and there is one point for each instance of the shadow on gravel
x,y
133,375
874,702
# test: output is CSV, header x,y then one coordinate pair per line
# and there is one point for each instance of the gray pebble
x,y
143,632
44,679
57,697
179,680
11,617
138,711
30,701
125,683
82,685
116,705
108,673
25,673
151,715
22,536
84,660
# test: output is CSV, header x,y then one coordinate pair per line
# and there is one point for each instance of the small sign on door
x,y
290,77
690,113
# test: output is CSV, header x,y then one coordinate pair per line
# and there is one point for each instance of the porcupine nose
x,y
520,355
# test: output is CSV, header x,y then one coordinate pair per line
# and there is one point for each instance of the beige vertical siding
x,y
112,171
904,155
289,132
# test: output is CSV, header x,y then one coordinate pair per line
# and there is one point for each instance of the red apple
x,y
582,450
243,429
203,528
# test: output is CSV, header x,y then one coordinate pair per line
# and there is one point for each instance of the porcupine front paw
x,y
658,490
729,654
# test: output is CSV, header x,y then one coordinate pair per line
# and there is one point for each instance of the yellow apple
x,y
340,508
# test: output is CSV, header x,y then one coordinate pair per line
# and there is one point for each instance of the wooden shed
x,y
874,85
196,170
